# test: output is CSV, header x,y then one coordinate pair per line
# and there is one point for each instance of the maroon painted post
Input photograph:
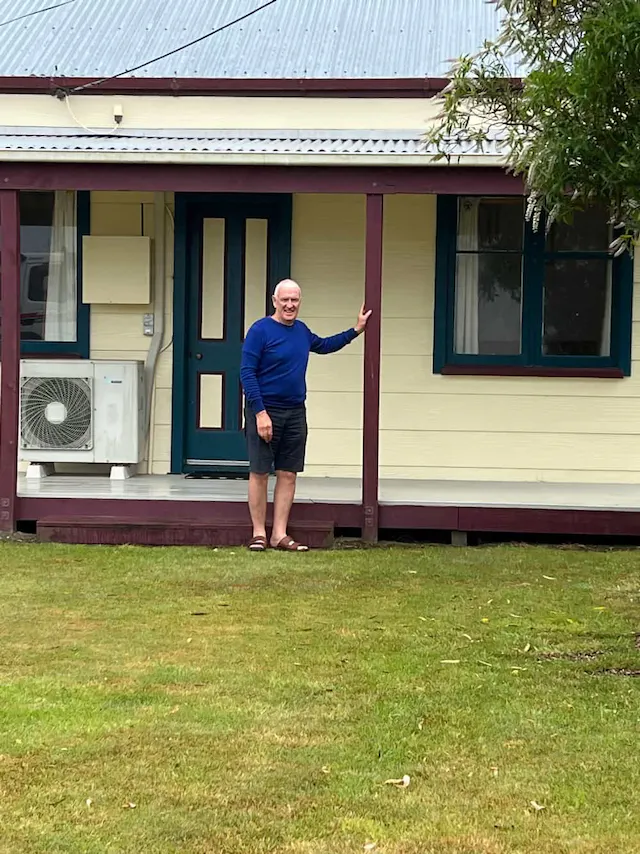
x,y
9,355
371,416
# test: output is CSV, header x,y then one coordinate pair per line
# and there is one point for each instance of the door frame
x,y
279,266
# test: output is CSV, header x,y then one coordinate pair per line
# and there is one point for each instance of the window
x,y
512,300
52,318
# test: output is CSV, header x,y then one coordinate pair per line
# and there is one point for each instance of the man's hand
x,y
264,425
363,317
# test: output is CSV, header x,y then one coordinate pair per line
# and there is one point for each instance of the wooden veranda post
x,y
371,404
9,354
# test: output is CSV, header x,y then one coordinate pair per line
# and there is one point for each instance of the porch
x,y
554,452
213,511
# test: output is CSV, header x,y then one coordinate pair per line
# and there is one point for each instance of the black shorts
x,y
286,450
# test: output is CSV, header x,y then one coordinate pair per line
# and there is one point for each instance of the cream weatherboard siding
x,y
194,112
116,331
435,427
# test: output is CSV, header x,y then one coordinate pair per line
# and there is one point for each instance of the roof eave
x,y
422,87
250,159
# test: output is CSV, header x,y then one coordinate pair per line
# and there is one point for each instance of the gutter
x,y
407,87
206,158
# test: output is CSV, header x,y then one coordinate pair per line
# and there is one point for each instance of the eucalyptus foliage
x,y
560,86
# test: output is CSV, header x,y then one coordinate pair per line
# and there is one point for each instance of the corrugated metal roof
x,y
310,39
285,142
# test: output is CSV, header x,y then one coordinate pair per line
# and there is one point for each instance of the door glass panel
x,y
211,401
213,279
255,273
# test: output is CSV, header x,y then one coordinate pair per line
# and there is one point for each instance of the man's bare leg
x,y
258,503
282,501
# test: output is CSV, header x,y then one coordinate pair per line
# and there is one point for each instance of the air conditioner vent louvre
x,y
56,413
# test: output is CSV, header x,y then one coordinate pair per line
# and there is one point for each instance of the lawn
x,y
192,700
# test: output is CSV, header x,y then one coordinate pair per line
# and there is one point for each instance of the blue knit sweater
x,y
274,361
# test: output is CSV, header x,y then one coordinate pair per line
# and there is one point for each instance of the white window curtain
x,y
467,271
61,310
605,340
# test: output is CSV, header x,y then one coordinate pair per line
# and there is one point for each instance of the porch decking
x,y
500,507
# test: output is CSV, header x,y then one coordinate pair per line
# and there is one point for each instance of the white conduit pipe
x,y
158,300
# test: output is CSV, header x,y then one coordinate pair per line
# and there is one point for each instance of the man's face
x,y
287,304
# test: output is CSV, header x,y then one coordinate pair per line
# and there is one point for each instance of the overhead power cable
x,y
36,12
182,47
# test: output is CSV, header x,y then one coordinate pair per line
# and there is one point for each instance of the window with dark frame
x,y
509,297
52,320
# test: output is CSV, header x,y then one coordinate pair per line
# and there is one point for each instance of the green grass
x,y
257,703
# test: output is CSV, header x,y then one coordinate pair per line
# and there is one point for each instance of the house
x,y
153,193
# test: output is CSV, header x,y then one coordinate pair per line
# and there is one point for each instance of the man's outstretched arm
x,y
336,342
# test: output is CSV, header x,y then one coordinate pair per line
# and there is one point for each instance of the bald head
x,y
286,301
286,284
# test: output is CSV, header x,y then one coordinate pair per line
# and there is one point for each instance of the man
x,y
274,364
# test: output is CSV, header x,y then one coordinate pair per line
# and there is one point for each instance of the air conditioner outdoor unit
x,y
79,411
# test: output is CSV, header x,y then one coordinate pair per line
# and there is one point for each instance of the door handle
x,y
198,356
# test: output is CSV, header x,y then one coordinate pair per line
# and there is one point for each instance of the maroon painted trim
x,y
536,521
9,355
462,180
372,337
407,517
199,375
404,87
418,518
34,509
526,371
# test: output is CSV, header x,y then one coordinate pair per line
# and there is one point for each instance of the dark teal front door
x,y
236,250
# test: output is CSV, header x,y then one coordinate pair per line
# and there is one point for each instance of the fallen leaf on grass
x,y
129,806
325,769
537,807
412,572
450,661
468,637
370,846
403,783
486,663
494,769
88,802
484,620
549,577
527,648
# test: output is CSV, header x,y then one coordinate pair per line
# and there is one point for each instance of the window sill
x,y
530,371
51,355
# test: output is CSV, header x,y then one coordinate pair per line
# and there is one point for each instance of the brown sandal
x,y
288,544
257,544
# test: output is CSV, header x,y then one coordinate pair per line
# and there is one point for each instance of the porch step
x,y
116,531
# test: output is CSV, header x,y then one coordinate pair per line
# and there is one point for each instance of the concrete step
x,y
116,531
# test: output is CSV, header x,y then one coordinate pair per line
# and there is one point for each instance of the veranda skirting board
x,y
416,493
